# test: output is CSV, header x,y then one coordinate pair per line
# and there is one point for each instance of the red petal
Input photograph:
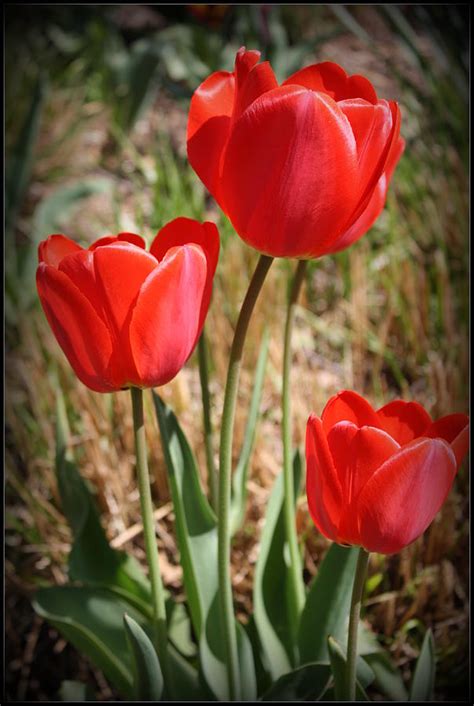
x,y
120,271
289,172
404,421
259,80
401,499
357,454
339,439
110,277
82,335
348,406
370,448
54,248
181,231
454,429
372,126
323,488
330,78
373,209
208,126
165,321
132,238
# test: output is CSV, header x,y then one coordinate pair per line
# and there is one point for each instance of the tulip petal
x,y
186,230
339,439
323,488
348,406
80,332
55,248
289,170
208,127
110,277
330,78
120,270
373,209
367,450
404,421
258,81
454,428
165,320
372,127
132,238
403,496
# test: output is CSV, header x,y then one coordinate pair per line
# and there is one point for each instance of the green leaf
x,y
387,677
196,532
91,559
247,665
326,610
196,526
185,684
239,478
303,684
148,679
271,573
71,690
92,620
422,685
54,210
364,675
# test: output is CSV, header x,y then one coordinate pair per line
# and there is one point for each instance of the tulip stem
x,y
225,476
354,618
296,588
151,547
206,408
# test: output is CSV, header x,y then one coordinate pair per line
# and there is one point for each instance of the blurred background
x,y
96,107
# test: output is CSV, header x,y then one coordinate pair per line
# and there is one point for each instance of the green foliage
x,y
92,560
240,475
196,532
306,683
326,610
423,679
271,614
364,675
147,676
92,620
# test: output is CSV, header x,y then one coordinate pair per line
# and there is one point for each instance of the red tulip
x,y
378,478
124,316
301,169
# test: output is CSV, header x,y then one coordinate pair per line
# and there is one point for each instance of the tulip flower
x,y
378,478
124,316
301,169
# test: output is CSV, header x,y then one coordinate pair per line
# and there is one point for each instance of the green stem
x,y
225,473
296,587
206,408
151,547
354,617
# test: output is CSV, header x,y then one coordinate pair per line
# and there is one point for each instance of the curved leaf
x,y
196,531
271,572
387,677
91,559
364,675
148,678
303,684
326,611
92,620
239,478
423,679
196,526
